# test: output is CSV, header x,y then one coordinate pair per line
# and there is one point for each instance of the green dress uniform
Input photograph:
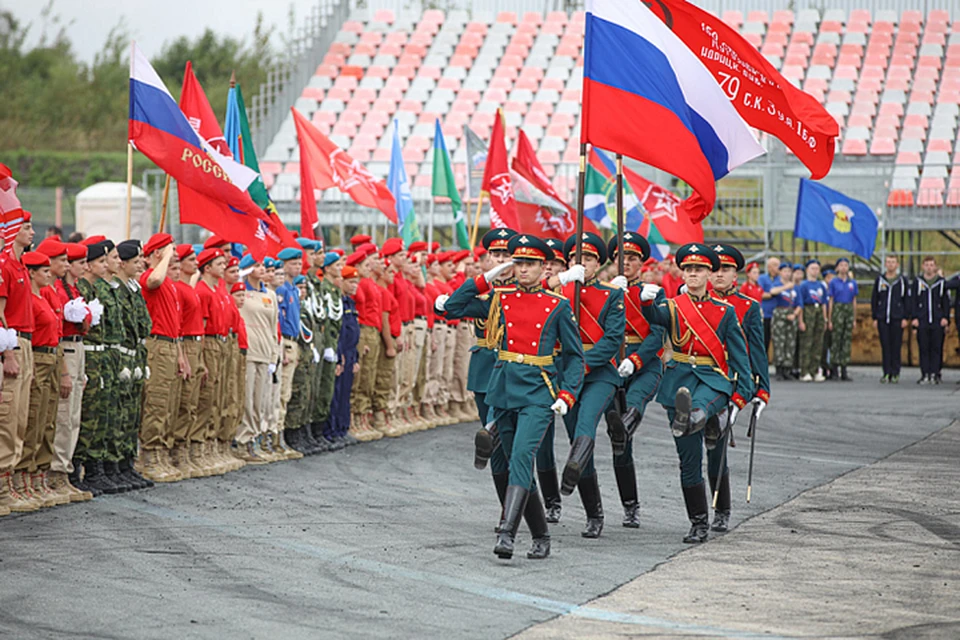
x,y
644,344
710,369
525,324
602,325
332,300
300,407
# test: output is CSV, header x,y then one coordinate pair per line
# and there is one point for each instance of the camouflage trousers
x,y
784,337
842,334
100,409
130,394
811,340
325,380
300,407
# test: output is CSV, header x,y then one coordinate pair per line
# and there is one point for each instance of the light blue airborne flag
x,y
399,186
828,216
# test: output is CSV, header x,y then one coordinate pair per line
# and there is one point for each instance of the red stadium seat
x,y
381,155
512,106
449,83
502,84
883,147
509,17
326,117
859,120
910,158
359,154
428,117
900,198
339,93
315,93
390,49
351,117
854,148
291,167
733,18
411,106
371,37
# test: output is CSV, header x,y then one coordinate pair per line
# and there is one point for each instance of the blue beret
x,y
828,272
330,257
290,254
269,262
309,244
198,249
843,260
786,264
812,261
299,280
247,261
797,266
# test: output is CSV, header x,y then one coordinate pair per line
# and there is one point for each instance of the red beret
x,y
459,256
391,246
214,241
340,252
431,258
76,251
237,286
54,248
35,259
356,258
445,256
92,240
434,246
367,248
233,261
348,272
184,251
479,251
419,245
156,242
360,238
26,216
208,255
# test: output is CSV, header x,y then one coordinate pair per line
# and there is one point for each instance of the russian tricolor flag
x,y
647,96
160,130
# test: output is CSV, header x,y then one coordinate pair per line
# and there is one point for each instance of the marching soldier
x,y
526,323
546,456
640,369
812,297
842,316
602,323
890,305
750,316
709,375
931,315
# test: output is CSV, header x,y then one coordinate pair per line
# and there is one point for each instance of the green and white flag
x,y
445,185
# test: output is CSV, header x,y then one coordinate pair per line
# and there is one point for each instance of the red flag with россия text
x,y
763,98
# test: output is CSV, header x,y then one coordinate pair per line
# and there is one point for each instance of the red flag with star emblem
x,y
496,181
664,209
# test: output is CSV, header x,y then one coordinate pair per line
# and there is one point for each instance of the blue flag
x,y
828,216
399,186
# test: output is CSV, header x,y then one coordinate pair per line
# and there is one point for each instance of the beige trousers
x,y
361,395
256,401
14,405
291,354
466,338
41,415
188,408
447,387
68,411
161,395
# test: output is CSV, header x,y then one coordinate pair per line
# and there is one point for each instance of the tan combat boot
x,y
181,460
443,418
21,484
147,465
13,499
214,465
57,482
280,444
195,451
38,482
5,499
355,429
76,495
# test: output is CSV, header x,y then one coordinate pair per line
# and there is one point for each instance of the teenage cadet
x,y
709,375
288,301
308,336
784,321
640,369
325,276
526,323
76,322
842,316
370,314
768,302
348,364
186,434
931,315
602,323
751,322
390,329
812,296
890,306
211,264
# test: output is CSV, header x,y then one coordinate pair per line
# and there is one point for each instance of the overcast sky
x,y
154,22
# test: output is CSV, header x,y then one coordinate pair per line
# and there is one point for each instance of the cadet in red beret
x,y
370,314
359,239
216,242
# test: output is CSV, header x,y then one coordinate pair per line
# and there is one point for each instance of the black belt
x,y
25,335
192,338
76,338
243,351
45,349
157,336
216,337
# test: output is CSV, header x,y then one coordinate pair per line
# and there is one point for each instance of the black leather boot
x,y
683,405
128,472
484,442
500,484
112,470
82,484
590,497
695,498
711,430
537,522
844,377
621,427
96,477
316,428
721,513
580,453
513,506
550,488
627,485
294,438
310,442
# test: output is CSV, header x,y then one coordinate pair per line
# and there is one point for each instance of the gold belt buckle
x,y
520,358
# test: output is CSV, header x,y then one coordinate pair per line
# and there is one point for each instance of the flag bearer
x,y
641,370
526,323
709,374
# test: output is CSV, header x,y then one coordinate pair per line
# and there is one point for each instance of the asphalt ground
x,y
394,538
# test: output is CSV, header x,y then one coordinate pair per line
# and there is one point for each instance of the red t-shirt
x,y
46,322
191,320
369,305
401,289
419,302
163,305
430,293
391,307
212,310
65,295
754,291
446,289
16,289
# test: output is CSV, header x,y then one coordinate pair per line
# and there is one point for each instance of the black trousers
x,y
767,332
891,340
930,341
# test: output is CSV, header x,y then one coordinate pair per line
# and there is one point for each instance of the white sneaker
x,y
807,378
819,377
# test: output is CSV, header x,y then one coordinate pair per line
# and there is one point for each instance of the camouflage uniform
x,y
784,337
300,407
125,446
842,334
100,417
332,300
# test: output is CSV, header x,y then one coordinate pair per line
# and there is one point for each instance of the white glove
x,y
329,354
271,368
620,282
8,339
683,289
316,355
574,274
734,412
626,368
137,373
649,292
560,407
441,303
146,373
492,274
125,374
75,310
761,405
96,310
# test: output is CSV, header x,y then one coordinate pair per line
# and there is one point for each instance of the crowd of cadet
x,y
127,364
